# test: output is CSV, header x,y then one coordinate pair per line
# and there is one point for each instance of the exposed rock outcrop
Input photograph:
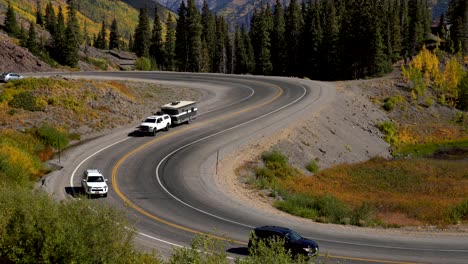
x,y
15,58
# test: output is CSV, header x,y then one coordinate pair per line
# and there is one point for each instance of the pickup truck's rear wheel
x,y
168,127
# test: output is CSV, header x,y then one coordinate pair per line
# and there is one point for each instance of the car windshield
x,y
150,120
95,179
293,236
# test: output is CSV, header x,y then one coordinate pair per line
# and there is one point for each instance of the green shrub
x,y
428,149
26,101
143,64
98,62
331,208
302,205
274,156
51,136
326,207
460,117
203,249
269,251
389,131
312,166
459,212
34,228
428,102
361,215
391,102
388,104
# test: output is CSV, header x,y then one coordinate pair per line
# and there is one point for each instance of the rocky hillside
x,y
18,59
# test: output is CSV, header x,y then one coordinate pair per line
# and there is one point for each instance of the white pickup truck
x,y
154,123
94,183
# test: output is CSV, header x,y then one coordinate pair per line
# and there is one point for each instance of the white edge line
x,y
210,136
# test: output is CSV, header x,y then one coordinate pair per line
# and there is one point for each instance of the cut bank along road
x,y
170,181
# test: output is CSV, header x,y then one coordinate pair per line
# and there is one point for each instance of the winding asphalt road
x,y
170,185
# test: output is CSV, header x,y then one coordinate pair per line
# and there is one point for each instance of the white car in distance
x,y
94,183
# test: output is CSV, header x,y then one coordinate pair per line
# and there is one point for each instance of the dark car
x,y
292,240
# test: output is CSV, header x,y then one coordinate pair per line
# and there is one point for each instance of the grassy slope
x,y
90,12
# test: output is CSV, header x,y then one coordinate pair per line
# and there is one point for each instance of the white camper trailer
x,y
180,111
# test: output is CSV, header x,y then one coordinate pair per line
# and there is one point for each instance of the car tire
x,y
154,132
168,127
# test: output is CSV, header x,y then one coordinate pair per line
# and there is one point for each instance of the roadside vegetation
x,y
378,192
34,227
424,184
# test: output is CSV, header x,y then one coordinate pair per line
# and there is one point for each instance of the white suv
x,y
154,123
8,76
94,183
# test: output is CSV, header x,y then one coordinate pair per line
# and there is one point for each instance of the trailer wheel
x,y
188,120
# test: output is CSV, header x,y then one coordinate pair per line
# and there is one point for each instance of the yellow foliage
x,y
20,161
452,76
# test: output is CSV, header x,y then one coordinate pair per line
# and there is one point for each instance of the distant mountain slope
x,y
91,13
240,11
235,11
150,4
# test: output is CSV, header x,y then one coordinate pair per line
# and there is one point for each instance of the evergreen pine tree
x,y
11,25
73,37
39,16
156,49
209,34
249,50
458,19
169,44
239,52
130,43
415,26
22,36
142,34
228,45
278,41
181,39
404,29
378,63
194,31
395,29
50,19
114,36
219,62
87,40
101,42
330,56
31,42
294,27
58,45
312,40
261,43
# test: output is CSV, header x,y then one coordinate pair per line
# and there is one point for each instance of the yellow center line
x,y
180,227
166,135
370,260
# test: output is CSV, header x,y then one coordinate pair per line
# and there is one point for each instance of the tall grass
x,y
420,190
428,149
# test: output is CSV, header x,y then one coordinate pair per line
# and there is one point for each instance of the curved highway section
x,y
170,184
